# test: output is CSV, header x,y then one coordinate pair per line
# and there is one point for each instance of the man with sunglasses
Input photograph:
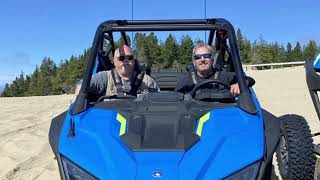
x,y
125,79
203,64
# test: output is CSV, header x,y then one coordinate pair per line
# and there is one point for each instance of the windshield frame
x,y
245,101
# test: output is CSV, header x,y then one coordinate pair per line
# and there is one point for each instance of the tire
x,y
295,155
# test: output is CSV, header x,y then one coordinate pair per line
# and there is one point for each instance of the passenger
x,y
124,79
203,63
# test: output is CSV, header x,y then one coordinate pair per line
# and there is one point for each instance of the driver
x,y
203,63
123,80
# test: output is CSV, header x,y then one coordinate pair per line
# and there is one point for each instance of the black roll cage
x,y
313,83
245,101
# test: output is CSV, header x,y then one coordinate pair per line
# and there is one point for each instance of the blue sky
x,y
31,30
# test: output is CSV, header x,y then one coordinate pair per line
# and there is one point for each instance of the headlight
x,y
247,173
74,172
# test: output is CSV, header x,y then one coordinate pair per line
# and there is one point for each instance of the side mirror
x,y
250,81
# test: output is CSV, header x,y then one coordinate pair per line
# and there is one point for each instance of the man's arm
x,y
231,78
151,84
98,84
184,85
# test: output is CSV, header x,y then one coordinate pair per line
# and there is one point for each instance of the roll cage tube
x,y
81,101
313,82
245,102
124,37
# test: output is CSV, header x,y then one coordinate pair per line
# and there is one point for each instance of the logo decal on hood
x,y
157,174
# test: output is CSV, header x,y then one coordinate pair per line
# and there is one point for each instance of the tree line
x,y
52,79
49,78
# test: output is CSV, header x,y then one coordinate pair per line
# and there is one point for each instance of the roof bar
x,y
180,21
161,28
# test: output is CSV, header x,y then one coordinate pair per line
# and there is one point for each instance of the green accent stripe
x,y
202,120
316,60
123,123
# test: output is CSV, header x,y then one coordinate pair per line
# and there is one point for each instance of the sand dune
x,y
24,122
24,149
285,91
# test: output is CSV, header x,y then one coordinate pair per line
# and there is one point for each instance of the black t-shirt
x,y
185,85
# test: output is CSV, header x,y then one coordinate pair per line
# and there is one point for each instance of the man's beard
x,y
200,67
125,69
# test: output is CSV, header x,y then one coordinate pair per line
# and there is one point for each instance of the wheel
x,y
295,151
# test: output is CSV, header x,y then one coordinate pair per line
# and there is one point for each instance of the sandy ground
x,y
24,122
285,91
24,149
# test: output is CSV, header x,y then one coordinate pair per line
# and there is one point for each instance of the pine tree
x,y
185,52
198,41
26,85
34,89
261,52
277,52
239,38
282,54
151,50
310,50
59,82
255,57
169,52
47,72
21,89
289,53
6,91
297,53
244,47
245,53
139,39
15,90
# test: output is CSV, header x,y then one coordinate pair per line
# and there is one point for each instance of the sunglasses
x,y
198,56
122,58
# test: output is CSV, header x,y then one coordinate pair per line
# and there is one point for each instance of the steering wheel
x,y
214,95
116,97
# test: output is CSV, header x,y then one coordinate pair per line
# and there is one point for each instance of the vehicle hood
x,y
229,140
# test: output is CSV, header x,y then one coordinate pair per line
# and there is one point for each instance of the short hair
x,y
200,45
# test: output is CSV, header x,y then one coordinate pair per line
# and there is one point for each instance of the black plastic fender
x,y
55,131
272,137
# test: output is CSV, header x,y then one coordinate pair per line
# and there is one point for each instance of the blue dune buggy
x,y
169,135
313,82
